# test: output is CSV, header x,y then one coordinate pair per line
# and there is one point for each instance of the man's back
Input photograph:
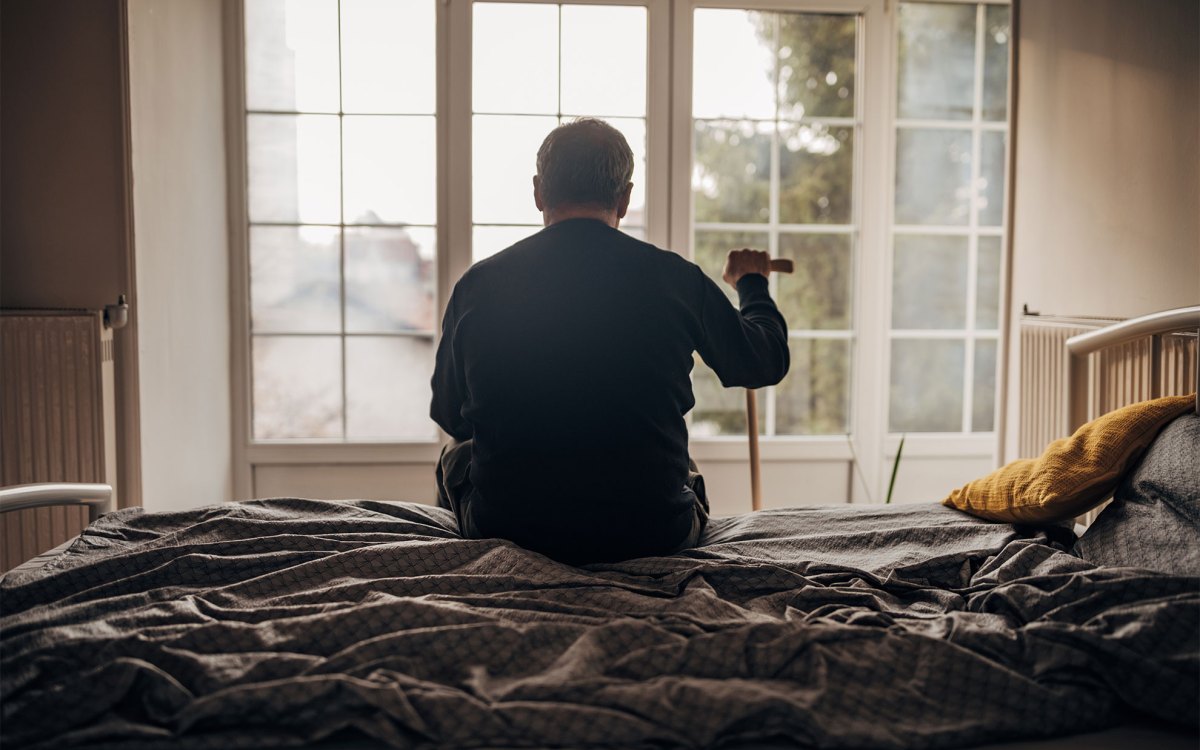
x,y
566,359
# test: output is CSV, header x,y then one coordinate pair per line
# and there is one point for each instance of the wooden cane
x,y
778,265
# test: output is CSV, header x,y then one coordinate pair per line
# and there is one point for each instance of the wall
x,y
64,217
1106,209
180,233
63,233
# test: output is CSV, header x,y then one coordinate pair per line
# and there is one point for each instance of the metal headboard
x,y
1154,325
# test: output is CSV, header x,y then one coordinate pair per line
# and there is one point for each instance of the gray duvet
x,y
282,622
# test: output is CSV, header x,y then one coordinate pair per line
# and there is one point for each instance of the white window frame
x,y
668,224
950,445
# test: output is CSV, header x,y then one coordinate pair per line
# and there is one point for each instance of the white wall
x,y
1107,163
180,236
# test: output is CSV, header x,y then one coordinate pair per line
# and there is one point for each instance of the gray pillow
x,y
1154,519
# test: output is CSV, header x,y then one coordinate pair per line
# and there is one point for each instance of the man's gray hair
x,y
585,162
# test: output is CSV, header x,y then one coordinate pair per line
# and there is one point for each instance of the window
x,y
774,119
388,145
563,57
947,235
341,176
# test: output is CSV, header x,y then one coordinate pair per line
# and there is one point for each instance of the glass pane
x,y
388,58
996,33
731,171
983,409
815,398
816,174
294,280
390,170
487,241
987,293
936,61
636,232
387,387
292,55
927,384
720,410
505,161
297,387
515,55
389,279
933,176
634,131
817,294
594,79
929,282
816,65
733,64
294,170
991,179
711,249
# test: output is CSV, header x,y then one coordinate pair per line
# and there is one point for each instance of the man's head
x,y
583,168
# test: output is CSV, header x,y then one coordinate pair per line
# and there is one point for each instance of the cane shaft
x,y
752,431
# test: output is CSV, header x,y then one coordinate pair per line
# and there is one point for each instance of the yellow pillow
x,y
1074,474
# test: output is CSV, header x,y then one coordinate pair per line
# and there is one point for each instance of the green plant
x,y
895,468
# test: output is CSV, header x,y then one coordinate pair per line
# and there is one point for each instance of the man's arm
x,y
746,347
449,385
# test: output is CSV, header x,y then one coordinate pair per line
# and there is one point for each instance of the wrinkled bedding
x,y
282,622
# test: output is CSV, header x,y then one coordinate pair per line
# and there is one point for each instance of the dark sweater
x,y
566,358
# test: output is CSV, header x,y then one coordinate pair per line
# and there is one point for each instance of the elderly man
x,y
563,369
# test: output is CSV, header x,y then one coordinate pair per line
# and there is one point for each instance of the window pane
x,y
634,131
711,249
731,172
815,399
817,294
387,387
987,293
388,58
294,174
390,170
292,55
816,65
389,279
927,383
991,179
996,33
294,280
933,176
504,163
720,410
604,60
929,282
936,61
515,58
816,174
733,64
983,410
297,387
487,241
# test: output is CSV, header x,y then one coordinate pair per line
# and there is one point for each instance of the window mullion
x,y
973,239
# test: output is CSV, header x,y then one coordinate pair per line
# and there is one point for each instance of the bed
x,y
302,623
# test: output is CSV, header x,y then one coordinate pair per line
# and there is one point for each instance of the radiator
x,y
57,418
1044,378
